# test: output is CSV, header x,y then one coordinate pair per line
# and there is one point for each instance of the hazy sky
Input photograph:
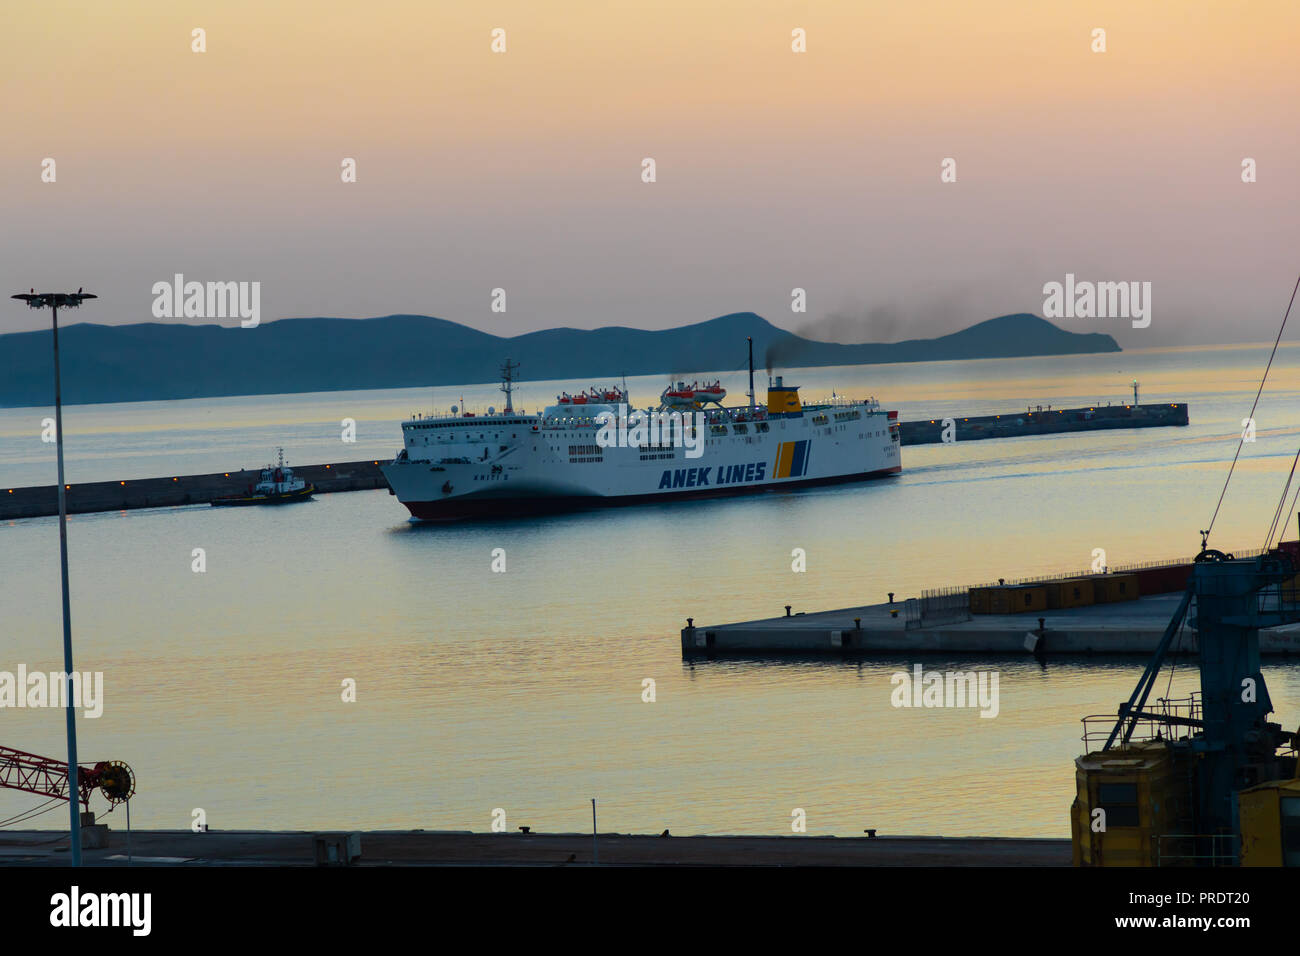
x,y
522,170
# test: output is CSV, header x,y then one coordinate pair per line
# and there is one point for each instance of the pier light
x,y
52,301
175,479
122,483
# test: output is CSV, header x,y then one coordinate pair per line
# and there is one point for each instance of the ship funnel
x,y
783,400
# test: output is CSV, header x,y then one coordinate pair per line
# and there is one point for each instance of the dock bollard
x,y
857,623
1040,651
787,610
690,622
891,597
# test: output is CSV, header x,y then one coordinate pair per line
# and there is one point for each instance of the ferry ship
x,y
586,450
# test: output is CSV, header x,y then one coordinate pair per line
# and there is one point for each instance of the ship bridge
x,y
464,436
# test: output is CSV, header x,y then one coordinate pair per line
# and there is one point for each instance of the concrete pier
x,y
463,848
1045,421
173,490
1129,627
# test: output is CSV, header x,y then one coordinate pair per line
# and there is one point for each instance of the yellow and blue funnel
x,y
783,400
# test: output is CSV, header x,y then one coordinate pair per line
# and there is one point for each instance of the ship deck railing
x,y
473,416
841,401
740,415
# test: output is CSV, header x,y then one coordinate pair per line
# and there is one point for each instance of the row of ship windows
x,y
822,419
740,429
482,436
583,454
589,453
650,451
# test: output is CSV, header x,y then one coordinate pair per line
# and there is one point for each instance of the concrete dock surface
x,y
1125,627
463,848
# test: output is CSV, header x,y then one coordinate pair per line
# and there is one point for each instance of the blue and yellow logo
x,y
791,459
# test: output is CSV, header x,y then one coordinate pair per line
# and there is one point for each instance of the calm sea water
x,y
523,690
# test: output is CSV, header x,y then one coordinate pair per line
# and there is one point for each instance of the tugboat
x,y
278,486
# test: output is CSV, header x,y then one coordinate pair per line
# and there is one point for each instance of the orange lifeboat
x,y
678,396
710,393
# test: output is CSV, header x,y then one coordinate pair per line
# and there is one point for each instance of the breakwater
x,y
1043,421
173,490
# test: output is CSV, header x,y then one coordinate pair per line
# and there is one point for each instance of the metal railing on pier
x,y
938,606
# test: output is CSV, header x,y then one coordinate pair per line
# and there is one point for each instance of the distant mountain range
x,y
152,361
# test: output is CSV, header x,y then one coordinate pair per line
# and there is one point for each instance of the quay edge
x,y
1133,627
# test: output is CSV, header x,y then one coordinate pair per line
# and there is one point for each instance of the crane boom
x,y
48,777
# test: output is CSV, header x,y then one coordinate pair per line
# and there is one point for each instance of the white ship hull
x,y
511,464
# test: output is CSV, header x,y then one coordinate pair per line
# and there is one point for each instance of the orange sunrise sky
x,y
775,169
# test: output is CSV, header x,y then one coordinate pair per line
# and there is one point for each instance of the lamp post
x,y
52,301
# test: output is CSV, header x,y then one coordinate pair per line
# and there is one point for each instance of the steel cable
x,y
1241,441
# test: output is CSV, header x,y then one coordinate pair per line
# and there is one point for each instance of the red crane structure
x,y
48,777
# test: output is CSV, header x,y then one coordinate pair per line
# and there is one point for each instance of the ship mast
x,y
508,384
751,375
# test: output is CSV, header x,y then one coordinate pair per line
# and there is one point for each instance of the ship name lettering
x,y
698,477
